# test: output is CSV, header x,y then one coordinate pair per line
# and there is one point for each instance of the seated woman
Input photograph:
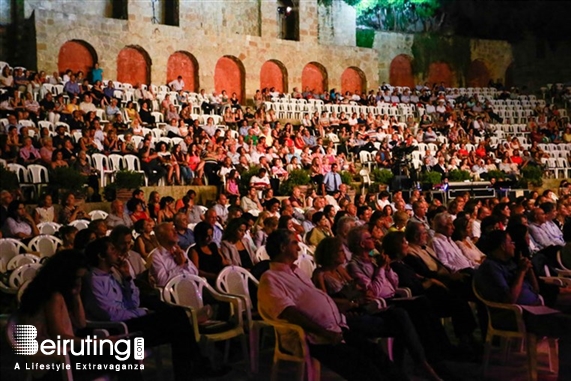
x,y
321,231
442,300
19,224
45,212
145,242
52,303
69,211
136,210
234,248
461,235
363,314
166,212
205,255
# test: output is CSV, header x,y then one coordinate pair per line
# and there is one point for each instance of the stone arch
x,y
184,64
478,74
230,75
440,72
400,73
76,55
353,79
134,65
274,74
314,77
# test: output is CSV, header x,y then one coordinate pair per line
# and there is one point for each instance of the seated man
x,y
500,279
185,235
251,201
114,297
168,259
286,293
445,248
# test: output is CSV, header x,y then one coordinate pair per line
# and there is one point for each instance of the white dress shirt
x,y
164,267
449,253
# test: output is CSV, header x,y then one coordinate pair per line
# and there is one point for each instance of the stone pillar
x,y
269,22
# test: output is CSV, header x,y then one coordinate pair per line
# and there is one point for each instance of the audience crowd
x,y
387,264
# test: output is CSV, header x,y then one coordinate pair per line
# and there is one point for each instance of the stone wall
x,y
497,55
203,38
337,24
388,45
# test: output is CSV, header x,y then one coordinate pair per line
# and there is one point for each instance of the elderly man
x,y
185,235
286,293
118,215
221,208
212,218
445,248
169,259
503,280
419,209
250,202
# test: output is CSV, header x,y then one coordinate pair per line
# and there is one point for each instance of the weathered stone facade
x,y
208,30
337,24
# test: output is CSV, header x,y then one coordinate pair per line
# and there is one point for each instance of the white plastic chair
x,y
233,280
133,164
186,291
38,176
23,274
98,215
46,245
50,228
306,264
101,163
9,248
292,337
80,224
21,260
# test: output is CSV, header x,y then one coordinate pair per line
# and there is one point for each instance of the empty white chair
x,y
306,264
9,248
80,224
21,260
133,164
98,215
101,163
46,245
50,228
22,274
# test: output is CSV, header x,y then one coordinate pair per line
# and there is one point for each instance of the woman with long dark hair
x,y
204,254
52,303
234,248
20,224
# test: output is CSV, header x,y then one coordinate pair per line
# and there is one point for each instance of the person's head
x,y
181,221
364,213
329,253
400,218
419,208
483,212
99,227
102,254
166,234
122,238
16,210
462,228
67,234
82,239
235,230
395,245
360,241
416,233
550,210
68,199
166,201
443,224
282,246
500,245
203,233
5,198
320,220
222,199
45,201
502,210
61,274
537,216
273,205
211,217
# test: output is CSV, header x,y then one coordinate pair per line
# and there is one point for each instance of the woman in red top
x,y
481,150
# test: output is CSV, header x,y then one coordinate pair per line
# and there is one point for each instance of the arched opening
x,y
134,65
478,74
314,78
274,74
76,55
230,75
400,72
184,64
353,79
439,72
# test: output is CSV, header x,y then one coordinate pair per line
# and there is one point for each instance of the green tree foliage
x,y
400,15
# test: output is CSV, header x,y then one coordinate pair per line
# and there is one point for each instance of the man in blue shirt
x,y
185,235
71,87
332,180
500,279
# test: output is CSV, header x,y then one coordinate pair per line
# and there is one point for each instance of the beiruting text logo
x,y
26,344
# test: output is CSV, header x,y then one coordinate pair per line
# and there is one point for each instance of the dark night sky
x,y
510,20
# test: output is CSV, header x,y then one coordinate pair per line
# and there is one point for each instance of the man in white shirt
x,y
177,84
168,259
445,248
87,106
221,208
483,212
